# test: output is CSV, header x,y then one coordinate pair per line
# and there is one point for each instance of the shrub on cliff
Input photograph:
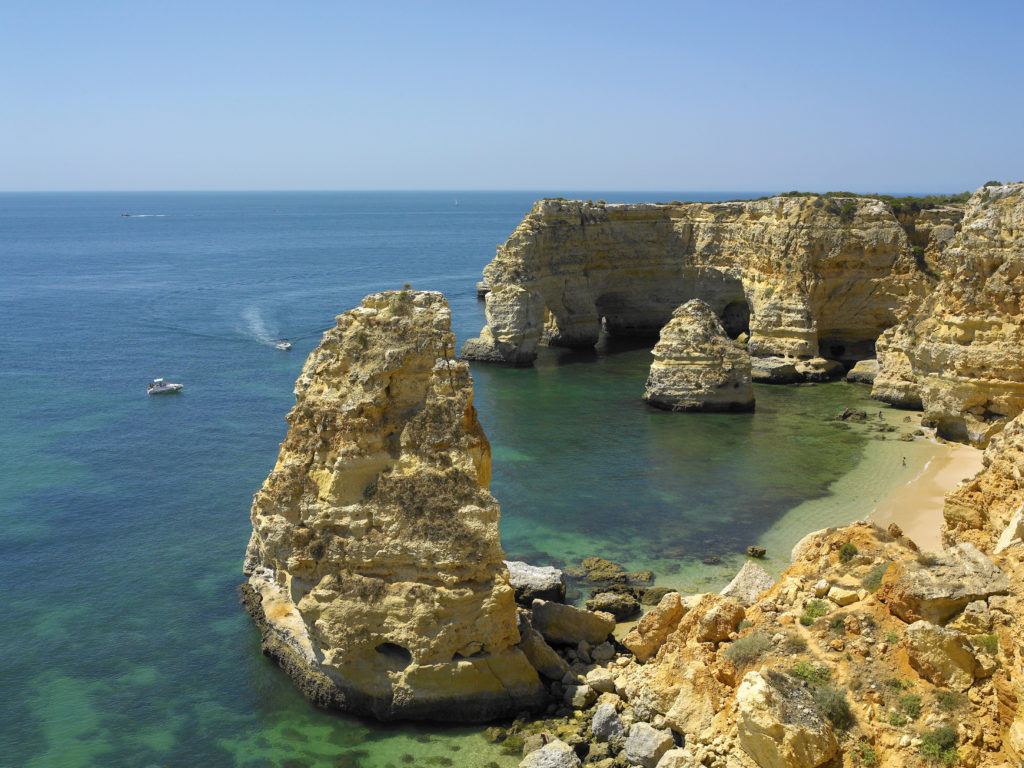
x,y
747,649
847,552
940,745
831,703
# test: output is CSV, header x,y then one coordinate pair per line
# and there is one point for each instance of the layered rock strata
x,y
375,568
958,354
802,274
697,367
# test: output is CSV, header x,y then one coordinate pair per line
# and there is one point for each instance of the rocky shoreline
x,y
375,569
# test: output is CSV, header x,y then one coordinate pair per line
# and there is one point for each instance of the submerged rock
x,y
696,367
375,567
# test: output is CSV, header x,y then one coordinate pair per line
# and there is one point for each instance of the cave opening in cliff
x,y
736,318
394,655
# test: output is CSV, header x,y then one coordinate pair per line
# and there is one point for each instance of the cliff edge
x,y
804,275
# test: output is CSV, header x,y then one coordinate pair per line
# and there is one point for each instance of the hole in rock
x,y
395,655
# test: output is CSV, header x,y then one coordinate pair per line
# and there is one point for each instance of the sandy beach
x,y
916,506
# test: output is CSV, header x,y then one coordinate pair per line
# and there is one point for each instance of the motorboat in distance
x,y
284,345
161,387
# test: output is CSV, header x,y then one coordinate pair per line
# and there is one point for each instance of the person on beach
x,y
904,461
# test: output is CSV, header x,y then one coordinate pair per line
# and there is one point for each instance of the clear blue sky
x,y
894,96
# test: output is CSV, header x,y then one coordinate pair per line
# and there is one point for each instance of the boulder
x,y
975,619
937,590
597,570
554,754
565,625
652,630
863,372
541,656
819,369
679,758
654,595
601,680
1013,533
774,370
579,696
697,367
621,605
606,723
941,655
780,728
646,744
755,551
842,596
535,582
750,582
719,621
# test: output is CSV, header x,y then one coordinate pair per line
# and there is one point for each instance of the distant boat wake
x,y
142,215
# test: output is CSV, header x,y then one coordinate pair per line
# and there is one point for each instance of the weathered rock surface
x,y
606,723
554,754
938,590
819,369
375,568
981,509
750,582
781,729
805,278
535,582
957,354
653,629
541,656
864,372
697,367
941,655
774,370
566,625
645,745
621,605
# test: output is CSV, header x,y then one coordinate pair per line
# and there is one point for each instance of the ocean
x,y
124,518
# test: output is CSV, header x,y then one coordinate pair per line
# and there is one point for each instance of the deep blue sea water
x,y
124,518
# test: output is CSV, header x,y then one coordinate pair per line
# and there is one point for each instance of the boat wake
x,y
256,328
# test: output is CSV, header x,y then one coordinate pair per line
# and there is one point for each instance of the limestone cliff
x,y
958,354
980,509
375,568
865,652
696,367
808,275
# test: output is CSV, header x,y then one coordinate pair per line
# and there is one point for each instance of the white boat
x,y
284,345
161,387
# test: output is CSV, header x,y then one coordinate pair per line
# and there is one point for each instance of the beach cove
x,y
154,493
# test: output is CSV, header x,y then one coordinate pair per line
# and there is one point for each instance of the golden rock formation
x,y
958,354
375,568
808,275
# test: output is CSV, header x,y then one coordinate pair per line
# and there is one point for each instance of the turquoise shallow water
x,y
124,518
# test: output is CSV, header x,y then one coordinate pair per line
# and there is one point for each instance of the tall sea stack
x,y
375,568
